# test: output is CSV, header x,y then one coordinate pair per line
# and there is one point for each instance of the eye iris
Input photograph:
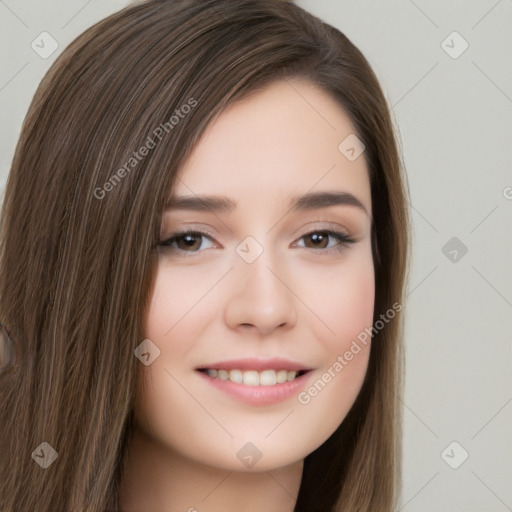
x,y
189,240
315,237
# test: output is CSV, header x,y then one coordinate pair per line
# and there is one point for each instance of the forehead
x,y
277,143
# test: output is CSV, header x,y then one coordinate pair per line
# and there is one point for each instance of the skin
x,y
299,300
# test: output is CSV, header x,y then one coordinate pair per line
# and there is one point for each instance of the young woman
x,y
203,255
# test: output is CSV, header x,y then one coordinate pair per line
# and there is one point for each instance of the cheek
x,y
341,307
177,295
351,309
165,406
344,306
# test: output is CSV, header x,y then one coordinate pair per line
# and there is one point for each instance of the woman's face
x,y
266,291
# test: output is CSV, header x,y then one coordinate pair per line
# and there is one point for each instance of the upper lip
x,y
275,363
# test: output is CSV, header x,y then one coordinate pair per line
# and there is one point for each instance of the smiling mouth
x,y
253,377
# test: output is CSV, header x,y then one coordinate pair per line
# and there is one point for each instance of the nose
x,y
261,297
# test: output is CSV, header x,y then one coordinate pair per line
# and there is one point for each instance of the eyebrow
x,y
222,204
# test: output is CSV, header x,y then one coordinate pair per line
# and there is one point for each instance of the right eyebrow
x,y
201,203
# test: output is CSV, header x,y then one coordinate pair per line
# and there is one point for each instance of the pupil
x,y
190,240
317,238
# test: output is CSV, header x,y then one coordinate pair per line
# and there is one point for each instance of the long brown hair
x,y
78,239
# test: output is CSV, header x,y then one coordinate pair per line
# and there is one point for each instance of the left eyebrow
x,y
222,204
317,200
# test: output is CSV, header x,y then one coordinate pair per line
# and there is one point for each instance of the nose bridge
x,y
260,273
260,296
258,269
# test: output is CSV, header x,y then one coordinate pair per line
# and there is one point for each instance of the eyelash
x,y
345,240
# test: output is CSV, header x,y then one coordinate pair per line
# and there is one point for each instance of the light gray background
x,y
454,117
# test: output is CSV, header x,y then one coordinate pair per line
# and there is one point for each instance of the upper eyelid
x,y
207,234
333,226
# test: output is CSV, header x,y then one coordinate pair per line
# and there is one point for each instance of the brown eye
x,y
186,241
190,241
320,240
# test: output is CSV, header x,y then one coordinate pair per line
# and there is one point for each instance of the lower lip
x,y
259,395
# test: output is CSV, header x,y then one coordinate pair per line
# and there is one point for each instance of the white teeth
x,y
223,375
268,378
236,376
254,378
291,376
251,378
282,376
